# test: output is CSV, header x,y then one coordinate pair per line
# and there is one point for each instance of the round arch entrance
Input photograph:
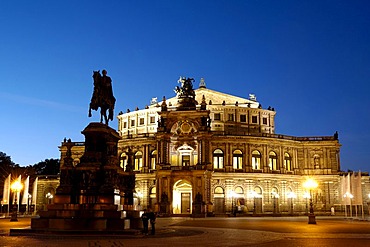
x,y
182,197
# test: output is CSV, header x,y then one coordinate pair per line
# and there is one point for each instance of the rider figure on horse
x,y
102,96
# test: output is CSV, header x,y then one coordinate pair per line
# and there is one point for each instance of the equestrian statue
x,y
102,96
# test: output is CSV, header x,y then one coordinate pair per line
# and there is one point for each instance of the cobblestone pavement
x,y
284,231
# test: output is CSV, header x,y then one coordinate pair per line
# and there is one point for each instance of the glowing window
x,y
256,160
123,161
273,161
218,159
153,159
138,161
287,162
237,159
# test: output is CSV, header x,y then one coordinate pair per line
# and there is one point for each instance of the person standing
x,y
152,218
145,219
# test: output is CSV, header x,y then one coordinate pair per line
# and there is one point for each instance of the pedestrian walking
x,y
145,219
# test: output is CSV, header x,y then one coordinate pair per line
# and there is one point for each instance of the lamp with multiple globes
x,y
311,184
15,187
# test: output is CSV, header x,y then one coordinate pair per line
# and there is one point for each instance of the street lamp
x,y
311,184
15,187
291,195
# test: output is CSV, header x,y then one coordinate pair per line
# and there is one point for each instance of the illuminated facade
x,y
206,152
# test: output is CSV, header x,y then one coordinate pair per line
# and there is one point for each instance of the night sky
x,y
310,60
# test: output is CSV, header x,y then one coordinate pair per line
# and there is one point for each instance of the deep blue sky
x,y
310,60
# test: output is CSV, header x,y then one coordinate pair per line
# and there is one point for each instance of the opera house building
x,y
203,153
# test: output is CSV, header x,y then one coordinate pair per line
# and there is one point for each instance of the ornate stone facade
x,y
224,156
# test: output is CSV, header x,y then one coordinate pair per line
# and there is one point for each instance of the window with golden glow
x,y
153,159
123,161
219,192
218,159
237,159
256,160
287,162
138,161
273,161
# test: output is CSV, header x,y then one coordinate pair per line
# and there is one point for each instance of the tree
x,y
47,167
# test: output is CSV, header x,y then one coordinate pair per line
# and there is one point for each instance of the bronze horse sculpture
x,y
102,96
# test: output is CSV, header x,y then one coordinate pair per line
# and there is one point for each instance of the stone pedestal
x,y
85,199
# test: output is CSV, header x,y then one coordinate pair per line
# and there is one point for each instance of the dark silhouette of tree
x,y
47,167
7,166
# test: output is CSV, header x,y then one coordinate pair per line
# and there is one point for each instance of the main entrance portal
x,y
182,197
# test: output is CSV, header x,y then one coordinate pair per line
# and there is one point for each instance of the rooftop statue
x,y
186,89
102,96
186,94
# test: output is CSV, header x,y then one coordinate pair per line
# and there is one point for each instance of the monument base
x,y
86,197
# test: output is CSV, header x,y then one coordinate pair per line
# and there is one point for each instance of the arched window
x,y
152,197
237,159
123,161
219,192
288,162
257,192
256,160
138,161
273,161
218,159
153,159
239,191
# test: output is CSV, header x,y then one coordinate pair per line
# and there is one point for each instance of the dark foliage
x,y
7,166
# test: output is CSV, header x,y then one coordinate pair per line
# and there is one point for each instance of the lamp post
x,y
311,184
306,195
15,187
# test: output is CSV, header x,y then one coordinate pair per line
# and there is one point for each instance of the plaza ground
x,y
239,231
